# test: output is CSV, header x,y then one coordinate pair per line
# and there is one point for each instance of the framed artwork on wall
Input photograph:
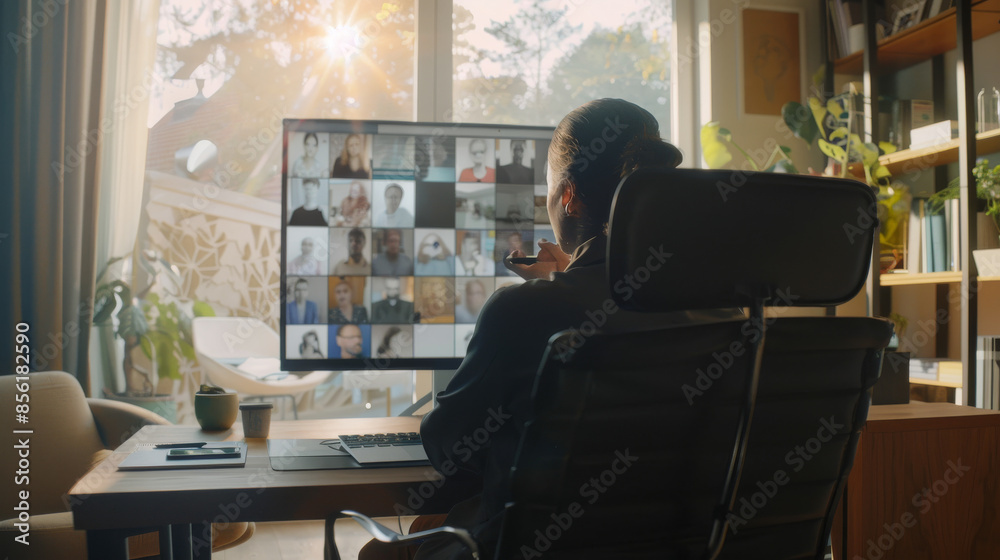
x,y
771,66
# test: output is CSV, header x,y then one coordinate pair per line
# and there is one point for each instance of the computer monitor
x,y
393,235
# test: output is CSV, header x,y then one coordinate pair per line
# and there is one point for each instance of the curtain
x,y
53,125
130,53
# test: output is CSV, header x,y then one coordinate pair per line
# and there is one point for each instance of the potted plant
x,y
156,333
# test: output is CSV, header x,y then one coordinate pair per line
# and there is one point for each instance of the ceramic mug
x,y
216,411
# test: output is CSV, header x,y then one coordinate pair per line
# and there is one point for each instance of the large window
x,y
229,71
531,61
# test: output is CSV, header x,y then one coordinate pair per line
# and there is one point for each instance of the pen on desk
x,y
180,445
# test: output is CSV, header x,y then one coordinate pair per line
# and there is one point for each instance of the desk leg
x,y
330,551
204,550
108,544
180,538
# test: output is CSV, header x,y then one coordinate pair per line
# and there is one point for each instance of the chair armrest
x,y
117,421
386,535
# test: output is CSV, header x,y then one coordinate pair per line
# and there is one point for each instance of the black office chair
x,y
724,440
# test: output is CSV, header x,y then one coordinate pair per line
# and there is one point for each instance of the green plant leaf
x,y
838,134
714,151
833,151
187,350
131,321
167,364
202,309
800,121
887,147
147,346
835,108
819,114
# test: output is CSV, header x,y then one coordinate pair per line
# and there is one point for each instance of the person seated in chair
x,y
567,288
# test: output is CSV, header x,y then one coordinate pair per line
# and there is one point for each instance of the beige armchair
x,y
71,434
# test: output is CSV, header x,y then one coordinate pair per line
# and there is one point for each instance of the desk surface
x,y
926,416
110,499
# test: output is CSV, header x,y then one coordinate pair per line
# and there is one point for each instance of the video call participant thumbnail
x,y
392,260
345,306
308,262
393,307
350,341
474,297
356,264
354,209
309,165
516,172
309,214
479,172
300,310
434,255
394,215
393,341
435,300
352,162
309,348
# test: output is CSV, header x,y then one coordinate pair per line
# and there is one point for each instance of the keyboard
x,y
372,449
381,440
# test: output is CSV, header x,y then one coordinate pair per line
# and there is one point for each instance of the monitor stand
x,y
439,380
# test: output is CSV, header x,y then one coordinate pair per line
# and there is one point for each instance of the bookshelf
x,y
953,29
905,161
925,40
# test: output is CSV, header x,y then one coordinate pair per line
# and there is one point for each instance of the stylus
x,y
180,445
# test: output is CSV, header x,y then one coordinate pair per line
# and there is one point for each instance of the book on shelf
x,y
988,370
933,241
936,369
954,235
914,260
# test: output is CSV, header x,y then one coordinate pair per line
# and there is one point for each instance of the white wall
x,y
720,20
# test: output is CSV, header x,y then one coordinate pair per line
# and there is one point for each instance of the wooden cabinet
x,y
925,485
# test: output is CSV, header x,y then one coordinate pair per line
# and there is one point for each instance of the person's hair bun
x,y
649,151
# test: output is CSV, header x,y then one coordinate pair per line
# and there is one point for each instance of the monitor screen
x,y
393,236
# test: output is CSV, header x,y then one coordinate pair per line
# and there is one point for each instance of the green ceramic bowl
x,y
218,411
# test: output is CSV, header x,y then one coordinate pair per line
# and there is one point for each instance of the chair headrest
x,y
699,239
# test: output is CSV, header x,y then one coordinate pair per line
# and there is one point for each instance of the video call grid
x,y
464,213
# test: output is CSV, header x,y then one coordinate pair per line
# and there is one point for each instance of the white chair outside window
x,y
241,353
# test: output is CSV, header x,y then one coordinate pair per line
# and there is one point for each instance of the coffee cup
x,y
256,419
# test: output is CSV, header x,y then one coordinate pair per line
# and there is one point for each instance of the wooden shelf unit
x,y
925,40
906,161
925,278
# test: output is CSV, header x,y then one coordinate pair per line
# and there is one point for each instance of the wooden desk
x,y
111,504
925,484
